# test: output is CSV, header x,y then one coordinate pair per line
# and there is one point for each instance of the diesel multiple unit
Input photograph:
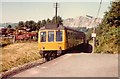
x,y
55,39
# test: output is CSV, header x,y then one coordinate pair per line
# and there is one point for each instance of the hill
x,y
81,21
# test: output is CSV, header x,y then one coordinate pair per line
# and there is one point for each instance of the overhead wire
x,y
99,9
98,12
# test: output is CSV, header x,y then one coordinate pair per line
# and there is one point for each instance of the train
x,y
55,39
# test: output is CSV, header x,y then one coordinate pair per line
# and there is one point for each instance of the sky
x,y
23,10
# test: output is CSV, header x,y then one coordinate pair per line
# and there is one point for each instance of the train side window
x,y
58,35
43,37
68,35
50,36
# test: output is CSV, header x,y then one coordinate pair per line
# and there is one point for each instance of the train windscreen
x,y
58,35
50,36
43,36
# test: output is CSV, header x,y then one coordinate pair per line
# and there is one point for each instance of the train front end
x,y
51,41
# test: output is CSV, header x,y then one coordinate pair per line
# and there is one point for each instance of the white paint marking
x,y
69,54
43,67
56,62
65,57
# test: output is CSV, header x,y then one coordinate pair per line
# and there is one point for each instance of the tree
x,y
27,25
44,22
48,21
38,25
108,32
59,20
9,26
21,24
32,25
111,18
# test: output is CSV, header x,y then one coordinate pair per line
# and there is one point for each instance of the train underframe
x,y
49,55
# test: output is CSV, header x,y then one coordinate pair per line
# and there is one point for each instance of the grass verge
x,y
17,54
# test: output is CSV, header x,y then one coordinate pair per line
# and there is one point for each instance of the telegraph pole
x,y
93,33
56,7
94,38
94,29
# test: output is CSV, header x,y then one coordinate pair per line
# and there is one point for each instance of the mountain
x,y
81,21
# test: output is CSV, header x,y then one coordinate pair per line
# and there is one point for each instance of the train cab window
x,y
50,36
43,37
58,35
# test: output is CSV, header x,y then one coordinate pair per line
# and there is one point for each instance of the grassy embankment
x,y
17,54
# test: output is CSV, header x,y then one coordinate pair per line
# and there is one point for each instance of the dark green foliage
x,y
9,26
108,36
59,20
44,22
21,24
33,26
48,21
38,25
111,18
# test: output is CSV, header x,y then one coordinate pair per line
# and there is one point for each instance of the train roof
x,y
57,26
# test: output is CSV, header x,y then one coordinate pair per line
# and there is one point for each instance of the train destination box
x,y
93,34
